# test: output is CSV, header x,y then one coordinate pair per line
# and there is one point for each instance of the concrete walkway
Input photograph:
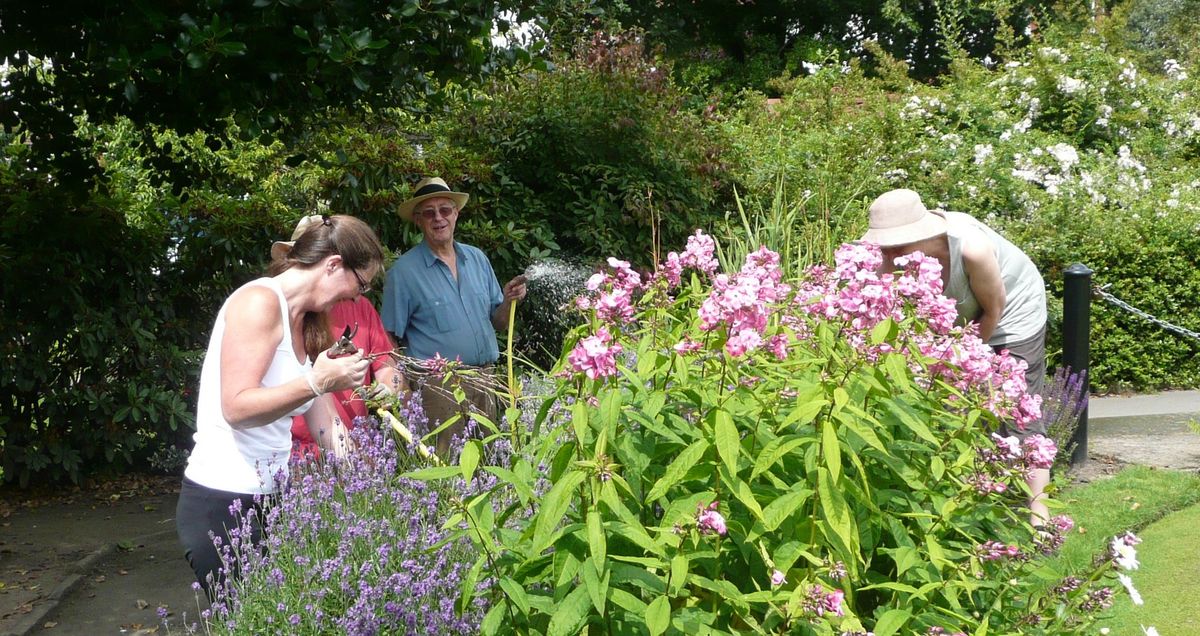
x,y
1150,430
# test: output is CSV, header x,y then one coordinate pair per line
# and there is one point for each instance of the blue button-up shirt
x,y
423,304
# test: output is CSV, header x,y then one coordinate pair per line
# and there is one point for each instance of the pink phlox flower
x,y
615,305
672,269
1130,539
777,578
1040,451
595,356
686,346
596,281
995,550
833,603
778,346
700,252
743,342
1062,523
1010,446
624,276
709,521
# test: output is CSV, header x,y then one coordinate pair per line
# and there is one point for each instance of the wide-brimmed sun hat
x,y
898,218
279,249
429,188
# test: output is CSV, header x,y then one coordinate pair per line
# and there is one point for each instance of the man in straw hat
x,y
993,283
443,299
369,336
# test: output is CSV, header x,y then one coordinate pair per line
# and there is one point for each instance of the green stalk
x,y
512,383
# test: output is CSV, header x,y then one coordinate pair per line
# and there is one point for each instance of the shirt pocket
x,y
443,313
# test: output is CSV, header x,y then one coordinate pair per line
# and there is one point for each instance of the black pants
x,y
202,511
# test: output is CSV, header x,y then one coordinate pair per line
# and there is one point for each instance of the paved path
x,y
1151,430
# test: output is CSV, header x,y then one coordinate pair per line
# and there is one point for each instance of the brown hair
x,y
343,235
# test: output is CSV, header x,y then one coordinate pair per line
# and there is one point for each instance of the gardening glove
x,y
339,374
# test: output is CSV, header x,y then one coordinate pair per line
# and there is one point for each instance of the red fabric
x,y
371,338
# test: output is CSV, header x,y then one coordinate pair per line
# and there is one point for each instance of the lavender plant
x,y
1064,398
353,547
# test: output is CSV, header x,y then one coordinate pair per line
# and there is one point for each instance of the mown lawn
x,y
1161,507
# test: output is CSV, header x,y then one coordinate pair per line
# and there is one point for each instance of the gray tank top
x,y
1024,313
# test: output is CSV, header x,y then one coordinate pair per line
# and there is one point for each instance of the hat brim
x,y
928,226
405,210
279,249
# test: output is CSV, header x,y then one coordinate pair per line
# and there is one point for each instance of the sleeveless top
x,y
244,460
1024,313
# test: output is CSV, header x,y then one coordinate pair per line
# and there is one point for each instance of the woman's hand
x,y
341,373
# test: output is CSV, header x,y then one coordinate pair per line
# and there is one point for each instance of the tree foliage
x,y
190,63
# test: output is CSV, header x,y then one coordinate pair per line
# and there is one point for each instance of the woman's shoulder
x,y
255,301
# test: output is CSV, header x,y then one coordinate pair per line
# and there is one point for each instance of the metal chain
x,y
1113,300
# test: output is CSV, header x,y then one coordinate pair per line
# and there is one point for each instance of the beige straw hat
x,y
279,249
898,218
429,188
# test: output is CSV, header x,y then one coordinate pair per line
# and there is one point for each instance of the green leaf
x,y
596,582
679,570
742,491
516,594
596,538
937,468
831,449
774,451
524,491
891,622
839,525
571,614
433,473
554,506
682,463
468,460
728,441
658,615
783,507
495,619
885,331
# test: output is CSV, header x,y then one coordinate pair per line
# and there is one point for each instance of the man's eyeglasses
x,y
445,212
363,286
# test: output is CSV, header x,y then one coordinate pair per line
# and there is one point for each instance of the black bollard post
x,y
1077,322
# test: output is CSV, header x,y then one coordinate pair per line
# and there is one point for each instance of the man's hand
x,y
515,288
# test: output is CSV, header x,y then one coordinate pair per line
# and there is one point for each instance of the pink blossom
x,y
1040,451
833,603
686,346
594,356
709,521
1010,446
777,578
743,342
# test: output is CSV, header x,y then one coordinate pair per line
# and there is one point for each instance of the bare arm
x,y
326,428
983,274
253,330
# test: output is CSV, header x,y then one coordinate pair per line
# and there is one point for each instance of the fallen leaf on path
x,y
49,624
149,508
100,579
126,545
142,604
122,572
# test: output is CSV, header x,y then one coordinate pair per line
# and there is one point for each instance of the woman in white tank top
x,y
266,362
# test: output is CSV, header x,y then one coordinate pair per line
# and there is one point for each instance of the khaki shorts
x,y
1033,352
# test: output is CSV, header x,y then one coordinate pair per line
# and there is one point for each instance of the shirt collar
x,y
431,260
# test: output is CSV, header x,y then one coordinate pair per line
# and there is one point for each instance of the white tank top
x,y
243,460
1024,313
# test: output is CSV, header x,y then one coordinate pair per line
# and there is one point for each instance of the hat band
x,y
430,189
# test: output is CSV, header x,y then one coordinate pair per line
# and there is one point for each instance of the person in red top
x,y
383,376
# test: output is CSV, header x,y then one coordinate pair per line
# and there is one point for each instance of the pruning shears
x,y
345,345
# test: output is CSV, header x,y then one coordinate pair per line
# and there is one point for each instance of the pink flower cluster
x,y
856,293
1010,457
595,356
995,551
709,521
699,255
613,292
818,602
742,303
